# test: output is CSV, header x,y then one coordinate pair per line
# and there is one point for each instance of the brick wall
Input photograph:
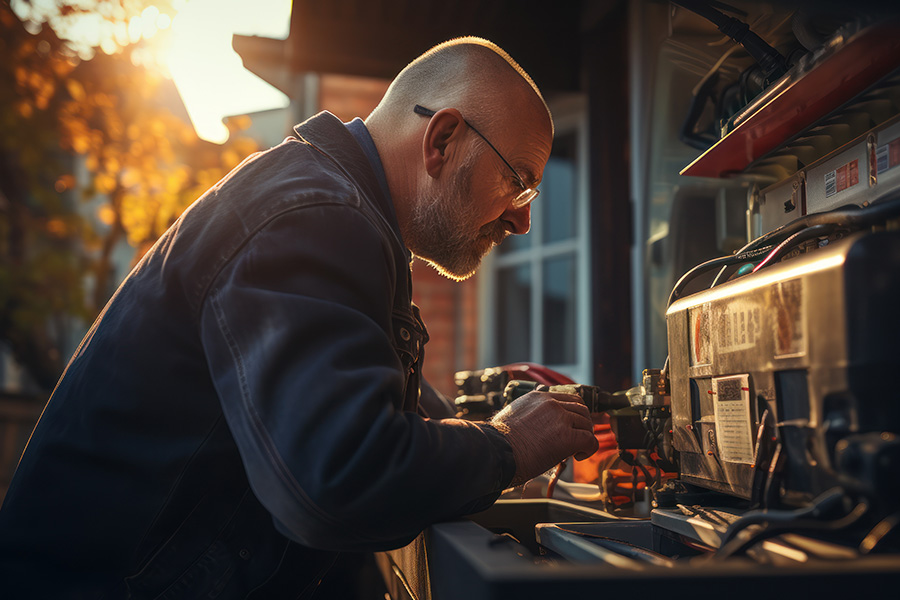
x,y
450,310
348,97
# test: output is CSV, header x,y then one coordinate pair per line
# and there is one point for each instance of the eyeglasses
x,y
523,198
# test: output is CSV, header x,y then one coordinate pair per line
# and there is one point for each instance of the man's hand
x,y
543,428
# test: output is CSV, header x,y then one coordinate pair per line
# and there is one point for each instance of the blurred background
x,y
115,115
111,124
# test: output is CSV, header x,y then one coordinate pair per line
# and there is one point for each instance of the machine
x,y
764,454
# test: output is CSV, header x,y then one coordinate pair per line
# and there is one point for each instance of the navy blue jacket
x,y
245,405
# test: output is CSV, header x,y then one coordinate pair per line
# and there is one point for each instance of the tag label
x,y
788,307
738,327
701,350
887,156
731,400
845,176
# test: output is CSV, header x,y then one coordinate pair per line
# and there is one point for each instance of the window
x,y
534,288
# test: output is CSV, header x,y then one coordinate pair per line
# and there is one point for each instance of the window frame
x,y
569,118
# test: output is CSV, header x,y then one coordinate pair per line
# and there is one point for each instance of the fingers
x,y
544,428
567,398
576,414
571,402
577,409
580,416
587,445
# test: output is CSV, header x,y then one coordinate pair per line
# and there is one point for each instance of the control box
x,y
812,344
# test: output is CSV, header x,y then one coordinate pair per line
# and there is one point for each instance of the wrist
x,y
499,426
508,461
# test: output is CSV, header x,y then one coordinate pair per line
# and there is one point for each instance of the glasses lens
x,y
525,197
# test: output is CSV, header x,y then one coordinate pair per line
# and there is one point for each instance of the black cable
x,y
737,546
727,8
821,504
792,240
851,217
712,264
649,485
644,471
761,457
773,64
878,533
744,89
780,521
776,463
699,140
635,464
657,481
653,428
845,217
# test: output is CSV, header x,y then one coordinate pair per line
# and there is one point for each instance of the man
x,y
245,406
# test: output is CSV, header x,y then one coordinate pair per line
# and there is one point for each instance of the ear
x,y
443,131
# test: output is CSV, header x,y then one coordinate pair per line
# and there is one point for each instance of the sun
x,y
193,48
208,73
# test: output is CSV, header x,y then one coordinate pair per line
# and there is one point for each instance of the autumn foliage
x,y
92,153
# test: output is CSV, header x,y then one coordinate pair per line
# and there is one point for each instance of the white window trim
x,y
569,117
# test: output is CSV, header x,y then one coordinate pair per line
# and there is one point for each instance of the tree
x,y
122,125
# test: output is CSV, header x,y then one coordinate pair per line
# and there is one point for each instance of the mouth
x,y
497,236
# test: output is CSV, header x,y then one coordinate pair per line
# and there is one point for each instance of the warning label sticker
x,y
738,326
787,302
732,410
843,177
887,156
701,349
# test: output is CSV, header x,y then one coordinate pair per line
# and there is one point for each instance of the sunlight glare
x,y
134,29
148,22
209,74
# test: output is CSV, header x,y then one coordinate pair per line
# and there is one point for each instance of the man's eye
x,y
515,184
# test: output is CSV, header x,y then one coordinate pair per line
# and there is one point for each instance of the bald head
x,y
470,74
452,189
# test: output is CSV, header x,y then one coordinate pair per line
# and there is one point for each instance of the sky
x,y
208,73
196,50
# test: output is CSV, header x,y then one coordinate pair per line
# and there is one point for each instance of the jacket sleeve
x,y
294,331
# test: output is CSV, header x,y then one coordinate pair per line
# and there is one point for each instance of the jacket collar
x,y
329,135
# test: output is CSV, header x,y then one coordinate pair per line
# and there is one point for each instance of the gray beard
x,y
442,234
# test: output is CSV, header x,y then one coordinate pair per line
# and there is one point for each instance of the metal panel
x,y
764,323
840,180
466,560
831,182
813,336
783,202
887,158
802,98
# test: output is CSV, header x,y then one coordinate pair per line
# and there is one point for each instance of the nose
x,y
517,220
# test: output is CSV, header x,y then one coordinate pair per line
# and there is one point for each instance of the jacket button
x,y
404,333
244,553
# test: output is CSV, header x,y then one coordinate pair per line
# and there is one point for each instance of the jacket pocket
x,y
193,562
245,556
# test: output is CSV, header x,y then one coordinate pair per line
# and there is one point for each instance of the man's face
x,y
449,231
457,221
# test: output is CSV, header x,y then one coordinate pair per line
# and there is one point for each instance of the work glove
x,y
544,428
